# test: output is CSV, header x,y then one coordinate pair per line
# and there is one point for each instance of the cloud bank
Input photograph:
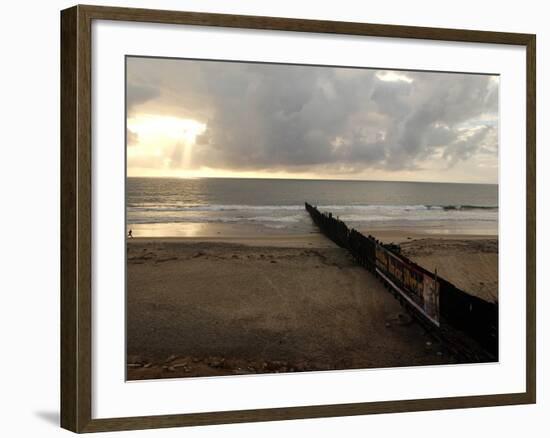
x,y
326,121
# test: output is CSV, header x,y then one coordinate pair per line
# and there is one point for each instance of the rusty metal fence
x,y
467,323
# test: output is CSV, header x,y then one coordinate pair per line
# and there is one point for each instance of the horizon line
x,y
310,179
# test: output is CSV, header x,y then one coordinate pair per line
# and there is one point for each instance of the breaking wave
x,y
293,214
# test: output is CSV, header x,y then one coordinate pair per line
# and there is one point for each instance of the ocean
x,y
173,206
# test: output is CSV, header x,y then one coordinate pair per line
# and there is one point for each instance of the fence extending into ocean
x,y
467,324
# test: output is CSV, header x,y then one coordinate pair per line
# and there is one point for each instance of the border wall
x,y
467,324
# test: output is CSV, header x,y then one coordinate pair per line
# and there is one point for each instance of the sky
x,y
188,118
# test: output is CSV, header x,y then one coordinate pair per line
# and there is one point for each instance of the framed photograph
x,y
271,218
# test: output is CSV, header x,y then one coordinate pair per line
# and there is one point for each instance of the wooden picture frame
x,y
76,217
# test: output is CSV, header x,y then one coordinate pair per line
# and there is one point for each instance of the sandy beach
x,y
208,305
227,191
468,261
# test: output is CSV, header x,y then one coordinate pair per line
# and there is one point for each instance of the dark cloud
x,y
137,94
262,116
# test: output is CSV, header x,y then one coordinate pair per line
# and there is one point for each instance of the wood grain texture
x,y
339,410
531,250
300,25
76,221
69,327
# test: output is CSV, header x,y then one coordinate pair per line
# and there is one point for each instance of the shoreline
x,y
313,238
256,233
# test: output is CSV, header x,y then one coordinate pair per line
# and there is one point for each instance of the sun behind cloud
x,y
166,141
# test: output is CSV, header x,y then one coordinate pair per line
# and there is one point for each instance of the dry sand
x,y
211,306
468,261
471,265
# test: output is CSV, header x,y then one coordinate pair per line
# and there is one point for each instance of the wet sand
x,y
208,306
